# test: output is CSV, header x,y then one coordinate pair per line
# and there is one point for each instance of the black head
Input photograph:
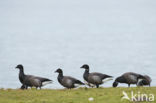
x,y
115,84
117,80
59,71
85,66
19,66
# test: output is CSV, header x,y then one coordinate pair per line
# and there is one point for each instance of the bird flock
x,y
94,79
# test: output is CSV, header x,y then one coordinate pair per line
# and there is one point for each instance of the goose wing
x,y
42,79
131,77
31,80
101,75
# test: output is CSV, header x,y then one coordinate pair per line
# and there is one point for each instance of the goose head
x,y
59,71
19,66
85,66
115,84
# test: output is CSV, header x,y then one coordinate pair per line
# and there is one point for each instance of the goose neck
x,y
87,71
22,72
60,75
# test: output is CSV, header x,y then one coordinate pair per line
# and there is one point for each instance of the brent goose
x,y
67,81
128,78
30,80
94,78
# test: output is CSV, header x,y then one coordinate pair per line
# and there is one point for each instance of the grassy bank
x,y
81,95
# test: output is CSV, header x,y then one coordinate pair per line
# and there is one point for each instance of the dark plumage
x,y
94,78
128,78
146,81
22,87
30,80
67,81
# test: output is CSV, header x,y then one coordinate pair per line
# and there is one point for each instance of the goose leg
x,y
26,87
97,86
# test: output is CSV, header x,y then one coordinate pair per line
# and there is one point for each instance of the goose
x,y
30,80
144,82
128,78
67,81
94,78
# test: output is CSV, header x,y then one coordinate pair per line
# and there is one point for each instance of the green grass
x,y
81,95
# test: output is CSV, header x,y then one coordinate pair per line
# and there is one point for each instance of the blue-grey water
x,y
112,36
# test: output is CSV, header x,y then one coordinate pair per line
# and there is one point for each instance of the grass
x,y
81,95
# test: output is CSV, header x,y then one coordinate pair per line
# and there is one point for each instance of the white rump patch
x,y
47,82
107,79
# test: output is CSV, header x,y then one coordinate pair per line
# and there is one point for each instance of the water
x,y
113,37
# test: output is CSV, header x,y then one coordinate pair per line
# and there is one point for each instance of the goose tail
x,y
46,82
